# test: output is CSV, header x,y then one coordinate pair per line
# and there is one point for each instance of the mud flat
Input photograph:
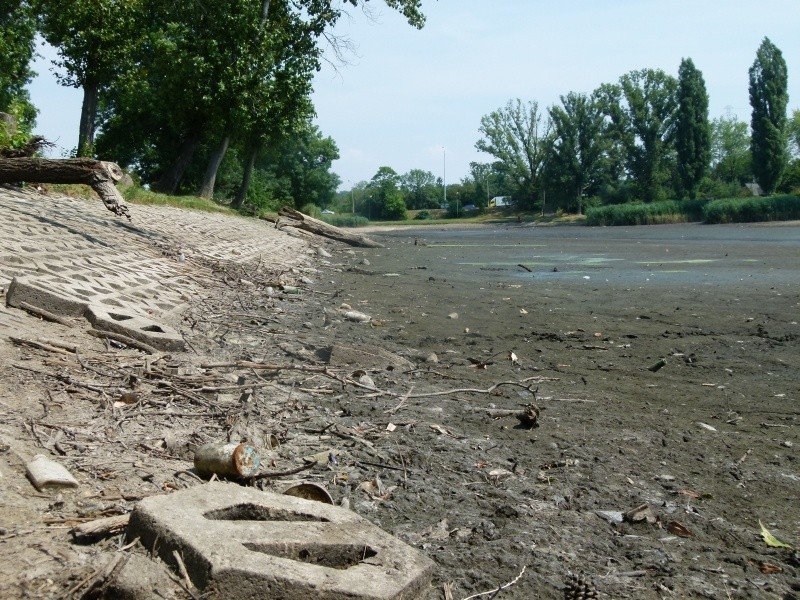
x,y
660,366
668,369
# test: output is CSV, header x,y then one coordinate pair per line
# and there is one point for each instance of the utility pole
x,y
444,176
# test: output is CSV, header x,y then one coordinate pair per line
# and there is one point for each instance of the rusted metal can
x,y
226,460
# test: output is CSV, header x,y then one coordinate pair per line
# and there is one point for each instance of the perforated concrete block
x,y
31,291
135,326
239,543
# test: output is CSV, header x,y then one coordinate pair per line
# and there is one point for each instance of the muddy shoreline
x,y
708,442
647,480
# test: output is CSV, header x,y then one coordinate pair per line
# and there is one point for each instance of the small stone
x,y
365,262
357,317
432,358
323,253
453,315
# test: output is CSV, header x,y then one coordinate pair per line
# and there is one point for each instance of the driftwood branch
x,y
100,528
317,227
97,174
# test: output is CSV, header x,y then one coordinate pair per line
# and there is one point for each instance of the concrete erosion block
x,y
240,543
141,579
134,326
29,290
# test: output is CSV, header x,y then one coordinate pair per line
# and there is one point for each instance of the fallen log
x,y
97,174
315,226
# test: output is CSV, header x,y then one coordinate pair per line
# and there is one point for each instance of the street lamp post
x,y
444,174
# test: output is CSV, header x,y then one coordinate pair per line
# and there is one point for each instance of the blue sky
x,y
406,94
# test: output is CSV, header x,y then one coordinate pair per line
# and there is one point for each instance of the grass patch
x,y
137,195
345,220
654,213
750,210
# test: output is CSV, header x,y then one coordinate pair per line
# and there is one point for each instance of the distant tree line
x,y
645,138
193,97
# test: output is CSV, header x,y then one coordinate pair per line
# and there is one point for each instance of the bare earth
x,y
696,451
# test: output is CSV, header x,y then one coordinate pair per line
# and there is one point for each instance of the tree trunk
x,y
210,176
168,184
247,176
300,220
99,175
88,115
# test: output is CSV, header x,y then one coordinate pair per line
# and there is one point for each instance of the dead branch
x,y
99,175
494,592
305,467
304,222
100,528
38,345
44,314
123,339
245,364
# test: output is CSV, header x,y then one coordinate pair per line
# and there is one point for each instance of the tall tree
x,y
793,134
17,31
578,143
517,137
692,131
730,150
93,40
649,104
768,98
385,198
419,188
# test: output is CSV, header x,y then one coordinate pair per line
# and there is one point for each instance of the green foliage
x,y
648,105
769,98
312,210
730,151
394,207
692,132
748,210
790,181
137,195
384,200
714,187
423,215
652,213
346,220
17,32
578,145
420,189
94,42
516,135
14,135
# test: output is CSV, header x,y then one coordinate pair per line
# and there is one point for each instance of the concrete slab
x,y
126,322
240,543
28,290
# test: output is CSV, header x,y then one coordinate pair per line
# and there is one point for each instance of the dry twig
x,y
501,588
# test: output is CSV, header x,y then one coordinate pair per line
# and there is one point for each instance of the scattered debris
x,y
45,474
770,540
226,460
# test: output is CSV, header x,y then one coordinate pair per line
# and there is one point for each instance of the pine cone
x,y
578,588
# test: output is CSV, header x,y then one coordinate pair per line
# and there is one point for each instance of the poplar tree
x,y
692,131
769,98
